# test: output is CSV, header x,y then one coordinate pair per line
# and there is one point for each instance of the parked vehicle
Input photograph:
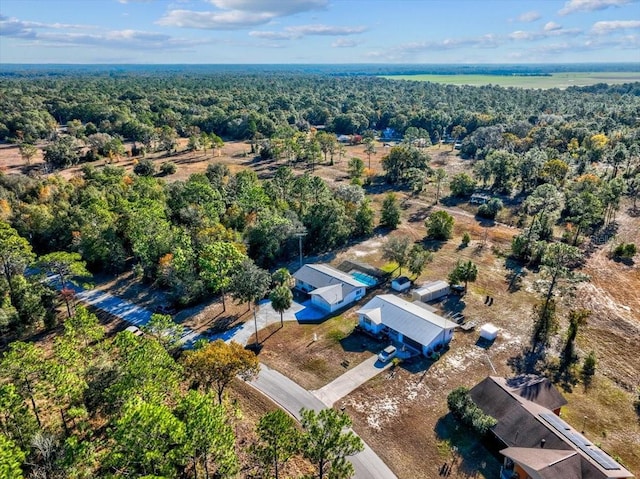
x,y
165,309
387,354
134,330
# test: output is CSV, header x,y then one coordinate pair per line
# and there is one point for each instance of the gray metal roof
x,y
320,275
331,294
432,287
408,319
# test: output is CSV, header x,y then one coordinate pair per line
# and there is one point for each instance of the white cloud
x,y
572,6
527,17
238,14
409,50
604,27
230,20
552,26
277,8
300,31
12,27
50,35
551,29
345,43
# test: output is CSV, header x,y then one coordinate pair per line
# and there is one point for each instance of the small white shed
x,y
401,284
489,332
431,291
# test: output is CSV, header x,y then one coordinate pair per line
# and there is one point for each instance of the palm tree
x,y
464,271
370,149
440,174
281,298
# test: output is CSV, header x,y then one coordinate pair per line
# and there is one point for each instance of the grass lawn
x,y
606,414
556,80
292,350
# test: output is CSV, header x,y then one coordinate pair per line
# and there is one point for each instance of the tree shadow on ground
x,y
420,215
452,201
470,456
527,361
453,304
433,245
516,272
359,342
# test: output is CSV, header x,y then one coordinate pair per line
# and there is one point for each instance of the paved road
x,y
280,389
124,310
266,315
292,397
350,380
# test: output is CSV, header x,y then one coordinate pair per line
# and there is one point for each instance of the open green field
x,y
556,80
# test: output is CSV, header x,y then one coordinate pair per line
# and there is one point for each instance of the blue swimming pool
x,y
364,278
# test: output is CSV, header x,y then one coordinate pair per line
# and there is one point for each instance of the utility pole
x,y
300,233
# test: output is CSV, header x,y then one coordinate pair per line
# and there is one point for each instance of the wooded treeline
x,y
239,106
561,161
120,407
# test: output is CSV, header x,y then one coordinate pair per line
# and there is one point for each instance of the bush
x,y
625,250
464,409
490,209
168,168
439,225
466,239
588,369
145,168
462,185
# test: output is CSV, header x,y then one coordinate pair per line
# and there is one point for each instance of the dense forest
x,y
561,160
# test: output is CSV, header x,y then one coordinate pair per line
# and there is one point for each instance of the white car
x,y
134,330
387,354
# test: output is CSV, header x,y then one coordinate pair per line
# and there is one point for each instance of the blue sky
x,y
319,31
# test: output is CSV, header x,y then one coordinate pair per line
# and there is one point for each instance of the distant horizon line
x,y
3,64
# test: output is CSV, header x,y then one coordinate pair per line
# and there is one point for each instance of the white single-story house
x,y
405,323
330,289
431,291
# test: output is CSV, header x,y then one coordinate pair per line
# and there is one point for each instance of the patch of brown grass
x,y
292,350
611,421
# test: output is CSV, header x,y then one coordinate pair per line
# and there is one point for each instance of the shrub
x,y
588,369
625,250
462,185
439,225
168,168
464,409
490,209
145,167
466,239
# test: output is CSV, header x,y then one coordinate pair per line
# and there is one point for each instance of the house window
x,y
366,321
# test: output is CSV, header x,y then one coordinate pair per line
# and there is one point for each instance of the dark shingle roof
x,y
547,463
538,390
516,426
521,425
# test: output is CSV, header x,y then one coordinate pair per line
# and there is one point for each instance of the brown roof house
x,y
539,444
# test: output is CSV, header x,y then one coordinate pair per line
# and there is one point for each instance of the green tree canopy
x,y
218,363
439,225
327,443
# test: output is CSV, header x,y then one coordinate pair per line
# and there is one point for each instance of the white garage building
x,y
405,323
